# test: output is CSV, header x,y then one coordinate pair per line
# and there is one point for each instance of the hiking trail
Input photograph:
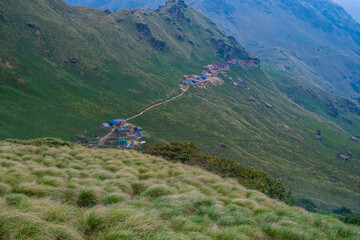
x,y
183,91
183,88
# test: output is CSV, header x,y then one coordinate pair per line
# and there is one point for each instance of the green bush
x,y
307,204
343,211
351,220
178,152
188,152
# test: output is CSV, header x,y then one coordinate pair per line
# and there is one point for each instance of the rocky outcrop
x,y
107,11
157,44
143,28
228,51
332,111
176,13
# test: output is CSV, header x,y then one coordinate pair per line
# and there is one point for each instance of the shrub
x,y
188,152
343,211
182,152
307,204
87,198
351,220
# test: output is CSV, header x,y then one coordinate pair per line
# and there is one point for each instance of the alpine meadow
x,y
229,147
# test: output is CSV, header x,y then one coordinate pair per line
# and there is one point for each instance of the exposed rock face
x,y
332,111
158,44
176,13
227,51
143,28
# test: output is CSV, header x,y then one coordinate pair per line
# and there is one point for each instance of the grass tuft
x,y
81,200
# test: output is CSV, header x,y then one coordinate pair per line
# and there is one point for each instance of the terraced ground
x,y
50,189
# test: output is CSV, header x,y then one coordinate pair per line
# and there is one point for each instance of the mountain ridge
x,y
315,39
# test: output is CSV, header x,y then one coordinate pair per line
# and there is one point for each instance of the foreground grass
x,y
50,191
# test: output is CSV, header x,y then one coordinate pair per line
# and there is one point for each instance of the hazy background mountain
x,y
352,7
317,40
116,5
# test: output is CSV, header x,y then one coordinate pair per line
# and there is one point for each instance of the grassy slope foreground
x,y
51,189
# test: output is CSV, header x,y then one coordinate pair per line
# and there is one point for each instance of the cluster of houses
x,y
244,63
217,66
112,123
127,134
195,79
233,62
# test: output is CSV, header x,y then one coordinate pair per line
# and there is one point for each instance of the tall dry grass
x,y
61,191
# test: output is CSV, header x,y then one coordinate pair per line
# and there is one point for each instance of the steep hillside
x,y
116,5
352,7
51,189
315,39
65,70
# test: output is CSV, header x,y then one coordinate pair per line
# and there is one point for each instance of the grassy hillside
x,y
280,141
51,189
67,69
318,40
315,39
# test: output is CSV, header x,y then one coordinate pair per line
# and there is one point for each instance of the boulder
x,y
354,139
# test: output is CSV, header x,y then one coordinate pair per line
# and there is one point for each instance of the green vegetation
x,y
233,122
117,194
351,220
188,153
64,70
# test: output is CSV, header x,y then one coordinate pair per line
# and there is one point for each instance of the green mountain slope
x,y
65,70
315,39
51,189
